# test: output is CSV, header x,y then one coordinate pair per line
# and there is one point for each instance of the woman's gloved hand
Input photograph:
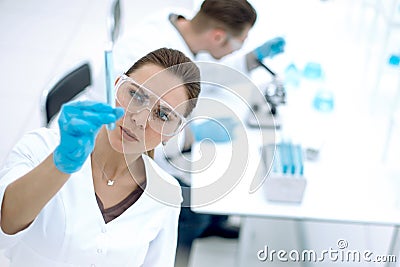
x,y
79,123
219,130
270,48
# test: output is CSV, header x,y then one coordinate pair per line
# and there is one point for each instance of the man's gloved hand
x,y
219,130
79,123
270,48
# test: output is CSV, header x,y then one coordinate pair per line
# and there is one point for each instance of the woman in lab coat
x,y
90,196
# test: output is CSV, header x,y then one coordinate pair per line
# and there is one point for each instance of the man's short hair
x,y
230,15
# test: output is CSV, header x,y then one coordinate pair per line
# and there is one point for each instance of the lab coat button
x,y
99,250
93,265
103,230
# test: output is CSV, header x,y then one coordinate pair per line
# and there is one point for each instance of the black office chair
x,y
67,88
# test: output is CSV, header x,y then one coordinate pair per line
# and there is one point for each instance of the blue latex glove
x,y
79,123
219,130
270,48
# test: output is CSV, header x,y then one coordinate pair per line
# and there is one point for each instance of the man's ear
x,y
218,35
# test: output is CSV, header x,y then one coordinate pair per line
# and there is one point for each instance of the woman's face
x,y
134,132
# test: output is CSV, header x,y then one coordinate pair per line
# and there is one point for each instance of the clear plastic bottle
x,y
292,76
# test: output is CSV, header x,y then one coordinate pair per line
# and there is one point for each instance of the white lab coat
x,y
70,230
154,32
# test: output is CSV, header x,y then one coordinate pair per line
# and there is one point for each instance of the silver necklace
x,y
110,182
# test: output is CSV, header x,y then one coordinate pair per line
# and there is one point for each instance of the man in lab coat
x,y
218,29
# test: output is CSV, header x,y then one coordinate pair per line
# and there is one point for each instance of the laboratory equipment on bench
x,y
265,110
285,163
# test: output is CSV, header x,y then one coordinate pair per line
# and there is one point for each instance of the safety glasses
x,y
135,98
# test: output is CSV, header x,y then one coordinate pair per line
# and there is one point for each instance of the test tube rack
x,y
286,181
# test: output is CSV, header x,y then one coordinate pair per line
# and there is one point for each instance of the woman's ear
x,y
116,81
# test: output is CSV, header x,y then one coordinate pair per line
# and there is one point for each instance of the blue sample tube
x,y
292,164
285,157
299,153
109,71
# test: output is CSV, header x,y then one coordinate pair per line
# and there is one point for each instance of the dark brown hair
x,y
178,64
230,15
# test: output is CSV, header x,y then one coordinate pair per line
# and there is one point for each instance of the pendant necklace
x,y
110,182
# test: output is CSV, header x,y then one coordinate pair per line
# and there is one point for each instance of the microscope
x,y
265,109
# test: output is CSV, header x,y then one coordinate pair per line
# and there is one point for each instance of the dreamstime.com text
x,y
339,254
